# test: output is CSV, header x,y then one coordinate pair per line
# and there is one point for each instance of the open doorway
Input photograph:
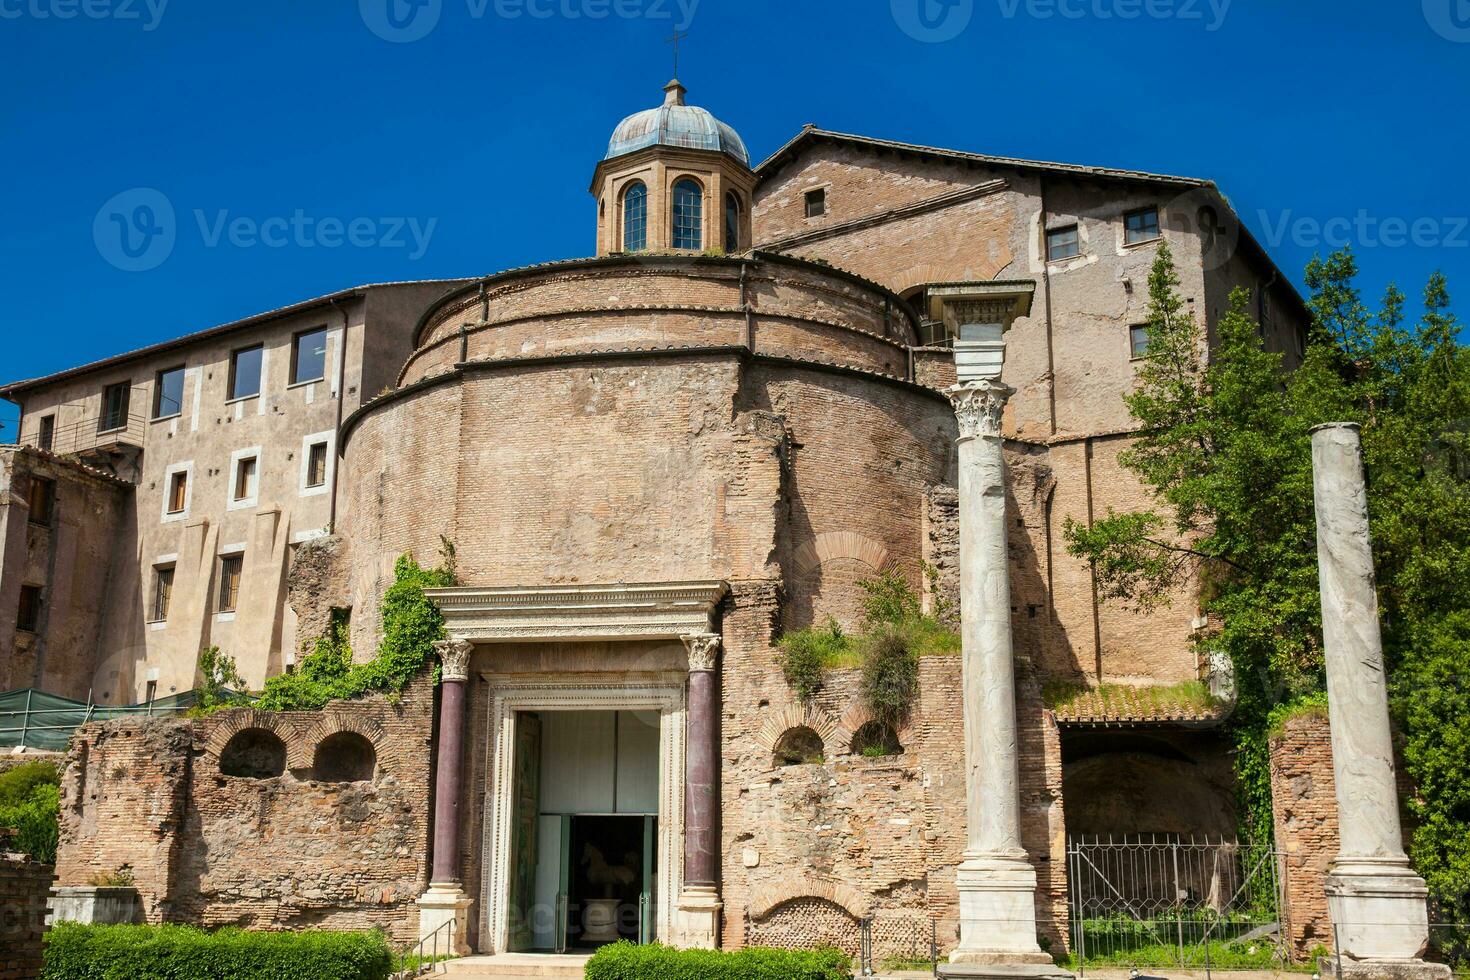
x,y
586,801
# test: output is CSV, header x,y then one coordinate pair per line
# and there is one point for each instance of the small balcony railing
x,y
88,436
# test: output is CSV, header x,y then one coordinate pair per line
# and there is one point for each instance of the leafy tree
x,y
1224,448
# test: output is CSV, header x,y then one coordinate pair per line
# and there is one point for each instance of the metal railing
x,y
428,955
87,434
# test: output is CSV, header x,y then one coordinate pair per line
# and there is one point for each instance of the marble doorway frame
x,y
580,693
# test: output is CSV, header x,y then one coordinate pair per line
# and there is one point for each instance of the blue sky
x,y
470,149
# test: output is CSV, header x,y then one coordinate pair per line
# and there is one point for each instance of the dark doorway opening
x,y
610,880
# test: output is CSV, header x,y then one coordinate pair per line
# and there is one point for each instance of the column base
x,y
1004,971
1383,969
998,920
697,918
1379,909
446,902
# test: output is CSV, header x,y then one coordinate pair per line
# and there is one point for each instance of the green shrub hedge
x,y
78,952
30,801
624,961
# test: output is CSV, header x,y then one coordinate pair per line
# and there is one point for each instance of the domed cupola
x,y
676,124
675,179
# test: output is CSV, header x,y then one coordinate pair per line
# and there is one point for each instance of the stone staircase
x,y
516,966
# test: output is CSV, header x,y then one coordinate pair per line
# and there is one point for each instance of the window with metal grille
x,y
1140,226
688,215
46,436
635,218
163,593
1062,243
115,406
316,465
230,567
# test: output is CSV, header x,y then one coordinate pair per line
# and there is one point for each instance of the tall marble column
x,y
699,899
445,899
997,885
1376,902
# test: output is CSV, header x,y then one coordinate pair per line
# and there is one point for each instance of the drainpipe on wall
x,y
341,398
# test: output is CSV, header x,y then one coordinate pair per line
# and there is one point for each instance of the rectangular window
x,y
115,406
178,492
316,465
230,567
152,692
1138,340
168,393
163,593
309,356
1140,226
816,203
245,367
1062,243
29,617
46,435
41,500
245,473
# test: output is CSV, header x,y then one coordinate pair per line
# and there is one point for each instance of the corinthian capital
x,y
979,406
454,654
704,650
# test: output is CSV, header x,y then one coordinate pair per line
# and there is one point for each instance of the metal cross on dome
x,y
674,39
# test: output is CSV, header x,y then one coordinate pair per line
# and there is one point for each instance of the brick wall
x,y
1304,804
285,852
24,885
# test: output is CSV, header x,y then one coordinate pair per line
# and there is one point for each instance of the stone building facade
x,y
653,463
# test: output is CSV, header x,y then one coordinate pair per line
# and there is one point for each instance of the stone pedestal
x,y
96,905
446,900
698,913
1377,904
996,882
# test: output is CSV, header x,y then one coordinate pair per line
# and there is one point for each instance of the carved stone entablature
x,y
704,650
980,406
664,610
991,310
454,654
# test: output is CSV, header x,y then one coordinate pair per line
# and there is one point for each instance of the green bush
x,y
624,961
78,952
806,654
411,624
30,802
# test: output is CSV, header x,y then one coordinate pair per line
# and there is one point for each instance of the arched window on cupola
x,y
732,222
635,217
688,215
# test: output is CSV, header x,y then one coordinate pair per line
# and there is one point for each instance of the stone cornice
x,y
665,610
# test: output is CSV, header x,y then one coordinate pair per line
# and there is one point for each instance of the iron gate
x,y
1171,901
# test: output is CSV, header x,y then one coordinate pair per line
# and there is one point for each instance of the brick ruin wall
x,y
1304,805
285,851
24,885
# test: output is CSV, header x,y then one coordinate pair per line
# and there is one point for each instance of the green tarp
x,y
39,720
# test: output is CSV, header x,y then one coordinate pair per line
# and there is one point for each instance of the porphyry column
x,y
1376,902
699,899
997,885
445,900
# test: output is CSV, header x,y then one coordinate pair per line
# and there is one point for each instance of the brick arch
x,y
841,544
766,898
856,716
237,720
781,721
